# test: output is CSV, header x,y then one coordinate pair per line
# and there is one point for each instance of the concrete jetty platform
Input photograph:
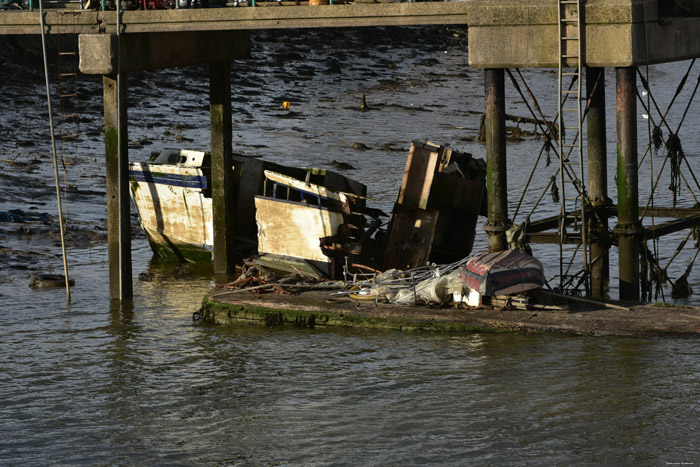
x,y
321,309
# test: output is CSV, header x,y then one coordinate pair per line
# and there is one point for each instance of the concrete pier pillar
x,y
598,180
117,160
496,172
627,184
223,196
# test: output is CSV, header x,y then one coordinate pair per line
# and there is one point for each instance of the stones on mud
x,y
143,142
389,147
333,66
342,165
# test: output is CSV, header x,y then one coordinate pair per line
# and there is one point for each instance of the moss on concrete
x,y
317,309
270,316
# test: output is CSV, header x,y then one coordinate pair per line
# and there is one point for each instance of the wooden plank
x,y
213,19
552,238
410,238
294,229
418,176
666,228
117,154
222,176
312,188
459,201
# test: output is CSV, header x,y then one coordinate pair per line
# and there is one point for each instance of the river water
x,y
98,383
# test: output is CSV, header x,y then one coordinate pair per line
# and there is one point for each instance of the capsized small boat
x,y
502,273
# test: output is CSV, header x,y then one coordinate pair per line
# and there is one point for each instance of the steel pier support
x,y
628,227
118,226
598,180
223,201
496,171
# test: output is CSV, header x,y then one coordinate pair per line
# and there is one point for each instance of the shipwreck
x,y
313,222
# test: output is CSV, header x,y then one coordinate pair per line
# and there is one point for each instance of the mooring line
x,y
53,147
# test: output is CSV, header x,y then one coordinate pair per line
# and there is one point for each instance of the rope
x,y
658,178
680,124
549,131
53,148
679,88
655,138
529,179
122,174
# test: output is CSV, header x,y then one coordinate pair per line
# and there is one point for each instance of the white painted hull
x,y
293,229
173,209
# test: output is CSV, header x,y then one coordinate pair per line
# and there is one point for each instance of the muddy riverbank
x,y
169,108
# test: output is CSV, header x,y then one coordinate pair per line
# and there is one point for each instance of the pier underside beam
x,y
628,228
118,224
153,51
597,180
496,171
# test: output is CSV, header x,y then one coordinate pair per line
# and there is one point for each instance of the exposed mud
x,y
318,72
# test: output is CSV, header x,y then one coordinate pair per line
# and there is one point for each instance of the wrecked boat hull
x,y
313,221
173,208
306,221
290,232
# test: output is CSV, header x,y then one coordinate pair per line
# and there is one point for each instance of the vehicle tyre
x,y
48,281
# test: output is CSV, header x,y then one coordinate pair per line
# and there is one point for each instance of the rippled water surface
x,y
96,383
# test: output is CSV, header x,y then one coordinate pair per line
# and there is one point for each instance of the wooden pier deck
x,y
241,18
502,34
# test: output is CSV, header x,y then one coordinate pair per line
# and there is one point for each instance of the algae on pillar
x,y
118,223
628,226
223,201
496,174
598,181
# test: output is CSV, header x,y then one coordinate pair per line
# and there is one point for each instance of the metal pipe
x,y
53,149
496,171
598,178
628,227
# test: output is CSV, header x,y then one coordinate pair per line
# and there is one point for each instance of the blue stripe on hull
x,y
186,181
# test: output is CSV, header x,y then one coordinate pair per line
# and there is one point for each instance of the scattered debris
x,y
342,165
360,147
363,104
312,221
435,214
